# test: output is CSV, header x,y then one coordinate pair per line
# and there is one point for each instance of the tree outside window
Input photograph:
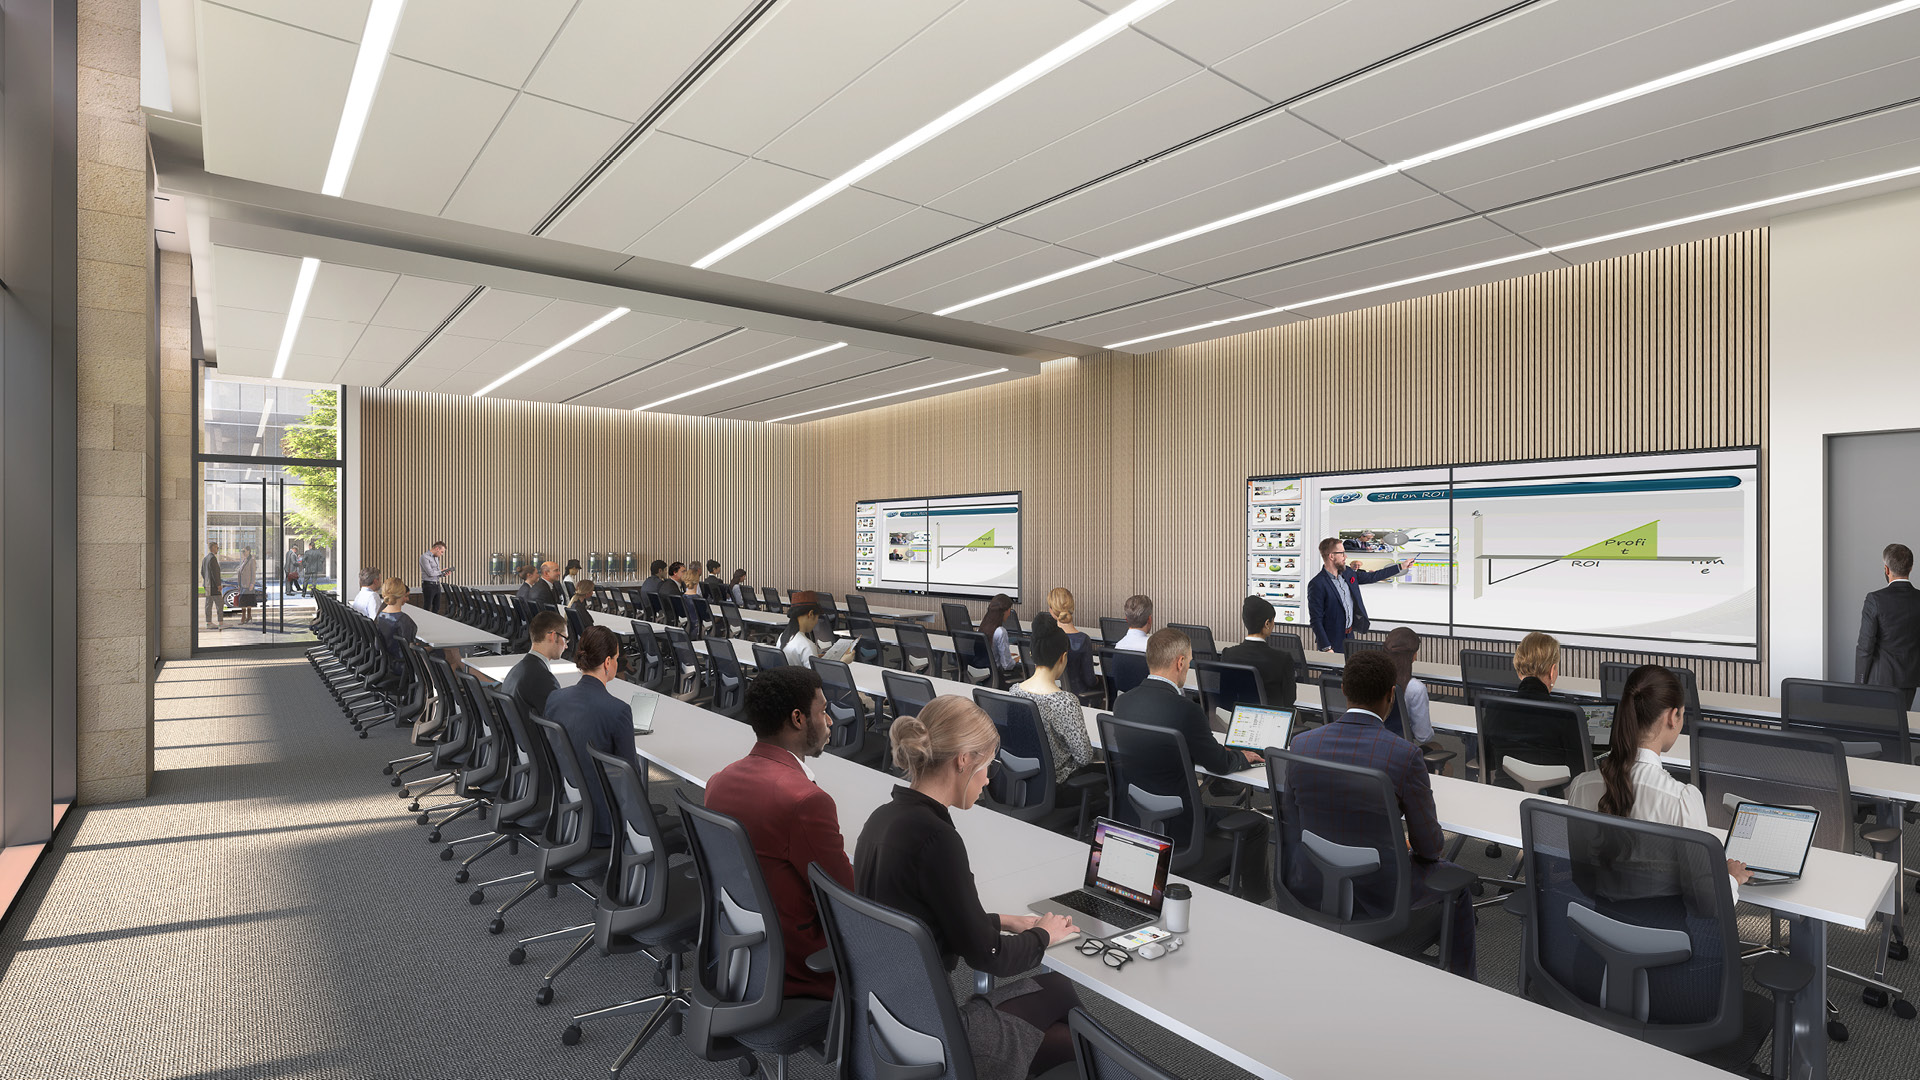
x,y
316,518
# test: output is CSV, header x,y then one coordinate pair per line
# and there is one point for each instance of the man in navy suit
x,y
1333,596
1889,650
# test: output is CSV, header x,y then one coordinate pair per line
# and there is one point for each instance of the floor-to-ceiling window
x,y
269,509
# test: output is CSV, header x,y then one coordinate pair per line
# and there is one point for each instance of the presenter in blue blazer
x,y
1333,596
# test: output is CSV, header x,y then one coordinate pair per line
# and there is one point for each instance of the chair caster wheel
x,y
422,819
395,782
446,854
476,897
1836,1031
1896,950
1493,851
749,1066
497,925
517,957
387,770
1874,996
400,794
543,996
460,876
571,1036
674,1023
434,838
1478,888
363,734
1903,1009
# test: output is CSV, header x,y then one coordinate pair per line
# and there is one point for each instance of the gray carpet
x,y
272,912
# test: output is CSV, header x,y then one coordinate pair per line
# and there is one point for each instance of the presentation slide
x,y
950,545
1656,552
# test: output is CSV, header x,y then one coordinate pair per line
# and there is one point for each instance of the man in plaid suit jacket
x,y
1361,738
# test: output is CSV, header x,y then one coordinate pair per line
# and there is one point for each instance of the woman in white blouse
x,y
1059,708
1631,782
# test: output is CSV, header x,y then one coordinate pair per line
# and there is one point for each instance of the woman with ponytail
x,y
1631,782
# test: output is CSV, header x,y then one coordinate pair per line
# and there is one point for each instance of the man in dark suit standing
x,y
1274,666
1160,701
1333,596
790,820
1889,650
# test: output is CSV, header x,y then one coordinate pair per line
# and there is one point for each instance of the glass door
x,y
277,546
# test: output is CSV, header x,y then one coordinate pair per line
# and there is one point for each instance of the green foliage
x,y
316,518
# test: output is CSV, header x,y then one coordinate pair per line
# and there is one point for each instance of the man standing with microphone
x,y
432,576
1333,596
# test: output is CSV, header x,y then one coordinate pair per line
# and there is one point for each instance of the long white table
x,y
441,632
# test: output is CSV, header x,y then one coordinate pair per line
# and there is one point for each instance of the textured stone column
x,y
118,391
178,556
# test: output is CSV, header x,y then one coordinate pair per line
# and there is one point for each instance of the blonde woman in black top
x,y
911,858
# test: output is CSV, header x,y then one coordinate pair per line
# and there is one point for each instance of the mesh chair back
x,y
700,614
680,610
1339,847
848,738
916,649
1102,1056
1631,926
529,782
906,694
970,649
766,656
484,761
1122,670
1333,700
1732,764
858,604
570,818
1545,733
685,659
868,649
1112,630
955,617
1024,786
1200,636
635,890
1483,668
738,974
1224,685
1290,644
1356,646
772,596
1148,790
652,657
1613,683
899,1020
730,682
1870,721
736,626
651,606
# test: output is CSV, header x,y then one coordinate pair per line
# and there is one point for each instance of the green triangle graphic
x,y
1640,543
985,540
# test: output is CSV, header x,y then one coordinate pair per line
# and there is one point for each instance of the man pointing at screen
x,y
1333,597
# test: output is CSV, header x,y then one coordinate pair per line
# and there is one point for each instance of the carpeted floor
x,y
272,912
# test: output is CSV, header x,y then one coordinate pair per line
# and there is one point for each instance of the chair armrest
x,y
1880,834
1450,878
1518,903
1244,821
820,962
1082,781
1781,974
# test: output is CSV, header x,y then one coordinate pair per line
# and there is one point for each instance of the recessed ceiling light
x,y
565,343
1073,47
743,375
1675,223
302,288
883,397
1666,82
376,41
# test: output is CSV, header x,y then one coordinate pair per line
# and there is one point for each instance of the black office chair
x,y
1121,670
847,710
857,605
1358,645
1481,669
1224,685
772,597
1112,630
1340,858
521,806
916,649
868,648
1613,681
1536,746
955,617
1025,786
683,667
729,681
1292,646
1205,851
1201,637
1630,925
906,694
567,857
766,656
972,661
651,669
1099,1054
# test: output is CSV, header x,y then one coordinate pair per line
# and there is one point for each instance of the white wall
x,y
1844,357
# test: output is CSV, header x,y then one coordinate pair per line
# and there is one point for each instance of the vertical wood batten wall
x,y
1132,467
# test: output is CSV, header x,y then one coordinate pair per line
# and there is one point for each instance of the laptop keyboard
x,y
1105,910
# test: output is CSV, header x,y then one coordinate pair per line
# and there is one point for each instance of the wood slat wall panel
x,y
1132,467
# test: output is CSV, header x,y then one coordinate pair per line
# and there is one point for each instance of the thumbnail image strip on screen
x,y
1655,552
946,545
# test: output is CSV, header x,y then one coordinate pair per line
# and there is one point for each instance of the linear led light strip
x,y
562,345
1074,46
742,375
302,289
1589,242
883,397
1758,52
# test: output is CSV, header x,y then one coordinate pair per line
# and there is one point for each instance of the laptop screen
x,y
1129,863
1772,839
1256,727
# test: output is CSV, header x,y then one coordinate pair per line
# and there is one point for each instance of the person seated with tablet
x,y
1631,782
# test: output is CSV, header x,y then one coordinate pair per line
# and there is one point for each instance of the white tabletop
x,y
440,632
885,612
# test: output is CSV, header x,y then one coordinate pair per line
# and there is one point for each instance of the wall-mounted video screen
x,y
943,545
1654,552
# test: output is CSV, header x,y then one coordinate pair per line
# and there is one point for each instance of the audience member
x,y
596,720
656,574
797,639
1537,662
367,600
993,627
548,589
531,681
570,577
1139,613
1080,675
1160,702
791,822
393,625
1888,650
1403,647
672,585
738,590
1059,709
711,586
911,858
1277,676
583,595
1359,737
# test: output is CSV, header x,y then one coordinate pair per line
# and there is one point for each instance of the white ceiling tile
x,y
848,214
362,373
618,57
963,269
418,303
747,195
308,367
247,328
496,40
330,338
1327,43
254,279
887,242
1182,309
497,313
651,182
418,378
450,352
1460,243
238,360
344,19
681,335
385,345
624,332
270,97
425,129
539,152
347,293
556,322
501,357
1103,287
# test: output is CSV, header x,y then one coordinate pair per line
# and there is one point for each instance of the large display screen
x,y
1654,552
947,545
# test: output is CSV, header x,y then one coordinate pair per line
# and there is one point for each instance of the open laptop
x,y
1772,840
1256,727
640,700
1126,882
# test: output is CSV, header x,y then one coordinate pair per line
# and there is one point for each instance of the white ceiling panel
x,y
344,19
254,279
270,96
556,321
250,329
1172,312
623,333
450,352
539,152
387,345
496,40
681,335
1460,243
497,313
419,378
347,293
362,373
657,176
887,242
426,127
1519,269
618,57
962,53
588,376
418,303
238,360
330,338
501,357
808,52
850,213
748,194
1108,286
960,271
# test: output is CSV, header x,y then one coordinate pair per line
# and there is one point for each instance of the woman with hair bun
x,y
596,720
911,858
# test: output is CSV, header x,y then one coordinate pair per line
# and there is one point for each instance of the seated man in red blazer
x,y
791,821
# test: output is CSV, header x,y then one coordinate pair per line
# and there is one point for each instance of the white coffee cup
x,y
1174,907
